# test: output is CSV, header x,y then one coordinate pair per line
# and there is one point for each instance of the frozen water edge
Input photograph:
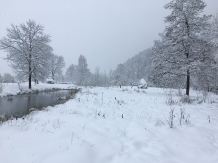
x,y
13,88
114,125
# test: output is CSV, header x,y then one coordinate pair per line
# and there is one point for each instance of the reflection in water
x,y
20,104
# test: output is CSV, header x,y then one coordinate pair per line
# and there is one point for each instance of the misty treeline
x,y
7,78
31,58
184,57
125,74
81,75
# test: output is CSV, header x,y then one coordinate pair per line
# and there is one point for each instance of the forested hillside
x,y
133,69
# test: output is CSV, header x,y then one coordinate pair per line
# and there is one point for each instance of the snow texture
x,y
14,88
115,125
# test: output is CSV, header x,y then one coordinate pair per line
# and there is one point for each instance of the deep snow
x,y
90,129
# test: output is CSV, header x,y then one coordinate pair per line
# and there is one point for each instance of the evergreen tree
x,y
182,51
71,73
83,72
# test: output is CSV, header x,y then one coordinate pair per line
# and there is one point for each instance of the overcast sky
x,y
106,32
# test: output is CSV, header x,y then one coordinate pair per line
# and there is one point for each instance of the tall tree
x,y
71,73
1,78
212,32
182,50
57,63
27,48
97,77
119,75
83,72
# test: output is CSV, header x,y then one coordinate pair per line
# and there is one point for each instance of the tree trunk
x,y
187,55
30,74
187,83
30,81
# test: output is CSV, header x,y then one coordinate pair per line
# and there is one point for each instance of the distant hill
x,y
133,69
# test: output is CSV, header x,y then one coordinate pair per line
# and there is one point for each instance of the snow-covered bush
x,y
182,116
186,99
206,95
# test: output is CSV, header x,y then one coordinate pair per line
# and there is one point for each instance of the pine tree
x,y
71,73
83,72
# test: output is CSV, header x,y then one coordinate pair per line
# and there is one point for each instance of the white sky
x,y
106,32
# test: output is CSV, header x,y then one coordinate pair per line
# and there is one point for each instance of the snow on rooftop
x,y
142,81
49,80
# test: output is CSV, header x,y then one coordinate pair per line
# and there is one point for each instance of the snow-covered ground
x,y
14,88
115,125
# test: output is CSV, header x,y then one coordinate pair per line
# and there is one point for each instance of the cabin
x,y
49,81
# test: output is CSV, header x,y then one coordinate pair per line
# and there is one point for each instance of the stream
x,y
19,105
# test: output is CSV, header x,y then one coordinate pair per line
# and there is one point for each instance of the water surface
x,y
20,104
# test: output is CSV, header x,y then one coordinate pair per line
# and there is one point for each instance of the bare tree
x,y
57,63
27,48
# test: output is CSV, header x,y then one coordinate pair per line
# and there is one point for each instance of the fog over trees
x,y
184,57
56,65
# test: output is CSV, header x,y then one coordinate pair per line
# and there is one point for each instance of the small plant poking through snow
x,y
209,119
183,118
170,100
171,118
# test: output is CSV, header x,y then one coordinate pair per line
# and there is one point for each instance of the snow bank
x,y
14,88
113,125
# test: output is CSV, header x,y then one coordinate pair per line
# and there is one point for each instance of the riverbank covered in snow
x,y
22,88
115,125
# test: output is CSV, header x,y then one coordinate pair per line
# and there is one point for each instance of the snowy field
x,y
116,125
14,88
